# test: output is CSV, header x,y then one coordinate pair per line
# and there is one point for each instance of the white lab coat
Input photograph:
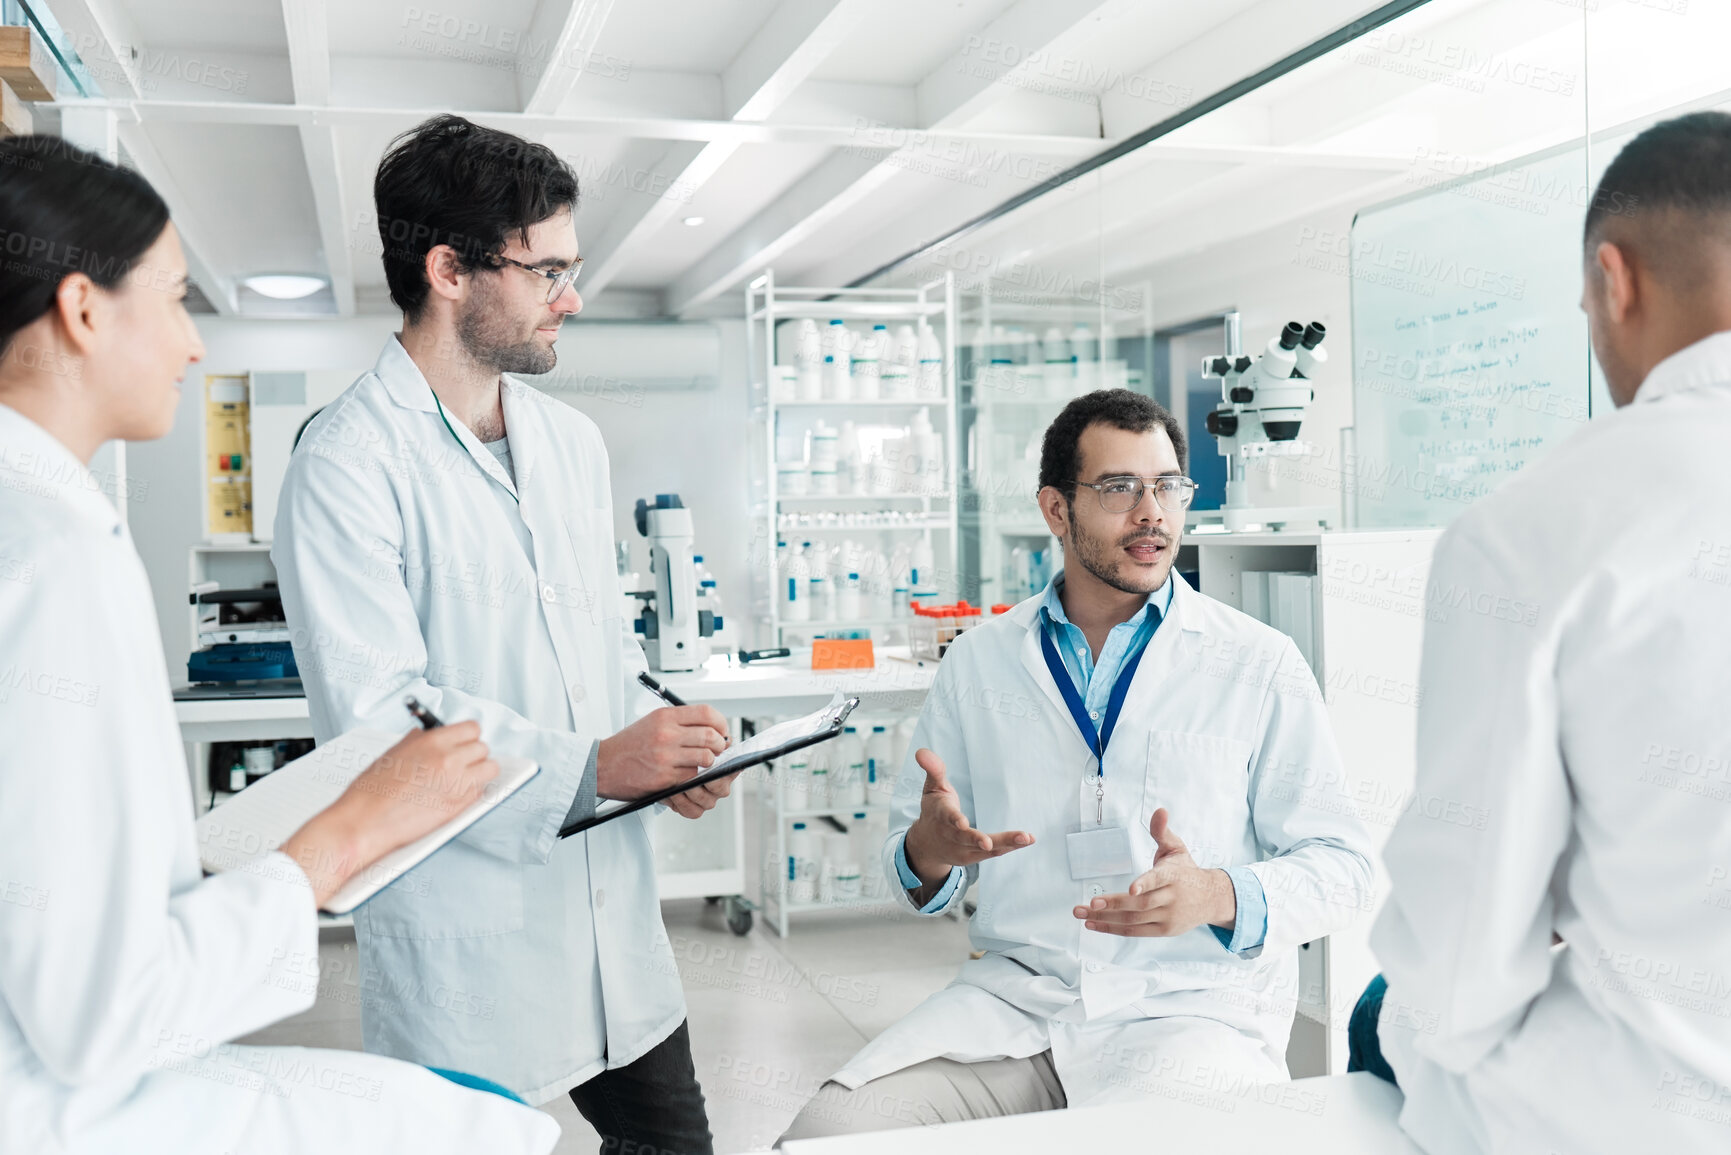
x,y
1575,679
124,974
1224,726
406,568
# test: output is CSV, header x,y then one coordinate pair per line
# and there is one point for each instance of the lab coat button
x,y
1095,890
547,593
578,693
1093,968
1094,714
600,898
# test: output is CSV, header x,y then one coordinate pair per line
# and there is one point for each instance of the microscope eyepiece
x,y
1313,334
1291,335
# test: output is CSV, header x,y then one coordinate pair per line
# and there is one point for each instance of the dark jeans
x,y
1363,1047
650,1107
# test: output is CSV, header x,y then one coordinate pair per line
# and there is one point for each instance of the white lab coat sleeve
x,y
358,644
1316,868
1465,938
99,962
939,730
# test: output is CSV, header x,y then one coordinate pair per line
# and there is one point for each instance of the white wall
x,y
690,442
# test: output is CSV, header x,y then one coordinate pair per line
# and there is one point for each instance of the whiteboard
x,y
1470,350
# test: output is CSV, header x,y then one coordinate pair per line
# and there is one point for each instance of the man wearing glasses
x,y
446,532
1136,777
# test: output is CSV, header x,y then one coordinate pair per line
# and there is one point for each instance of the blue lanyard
x,y
1099,739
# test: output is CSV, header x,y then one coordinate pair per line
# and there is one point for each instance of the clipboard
x,y
263,816
781,738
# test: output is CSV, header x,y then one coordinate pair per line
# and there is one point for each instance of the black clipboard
x,y
781,738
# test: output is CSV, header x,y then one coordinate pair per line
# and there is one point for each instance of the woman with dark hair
x,y
123,973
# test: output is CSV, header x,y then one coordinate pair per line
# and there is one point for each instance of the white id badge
x,y
1098,851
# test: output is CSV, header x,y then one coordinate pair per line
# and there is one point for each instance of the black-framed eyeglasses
x,y
1122,494
561,278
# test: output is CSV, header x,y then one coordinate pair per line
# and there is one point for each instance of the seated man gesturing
x,y
1114,761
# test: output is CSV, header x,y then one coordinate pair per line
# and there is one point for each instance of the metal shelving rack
x,y
935,515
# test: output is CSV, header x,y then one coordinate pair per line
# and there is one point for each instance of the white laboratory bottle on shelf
x,y
808,362
822,585
801,869
837,363
796,779
867,363
928,455
818,770
848,476
880,771
798,605
862,849
899,368
824,446
847,599
848,867
929,376
901,601
922,569
850,789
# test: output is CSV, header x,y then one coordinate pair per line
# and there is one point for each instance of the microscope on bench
x,y
676,621
1262,403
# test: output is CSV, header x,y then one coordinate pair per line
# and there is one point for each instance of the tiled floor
x,y
770,1018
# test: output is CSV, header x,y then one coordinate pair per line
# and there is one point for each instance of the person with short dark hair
x,y
125,975
446,531
1557,969
1128,770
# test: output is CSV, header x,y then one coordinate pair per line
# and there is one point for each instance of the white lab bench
x,y
693,859
1331,1115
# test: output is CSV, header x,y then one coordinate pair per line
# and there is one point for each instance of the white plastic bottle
x,y
801,862
798,607
880,771
808,362
848,474
817,789
837,363
852,754
928,455
821,585
898,369
796,783
922,569
929,377
867,357
847,598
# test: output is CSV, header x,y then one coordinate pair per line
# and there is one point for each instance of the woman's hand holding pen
x,y
415,787
661,749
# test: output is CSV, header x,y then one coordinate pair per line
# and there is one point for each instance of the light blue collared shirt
x,y
1095,679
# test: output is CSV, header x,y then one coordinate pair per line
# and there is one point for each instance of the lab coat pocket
x,y
1203,781
457,893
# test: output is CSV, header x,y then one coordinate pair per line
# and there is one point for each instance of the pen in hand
x,y
659,690
422,715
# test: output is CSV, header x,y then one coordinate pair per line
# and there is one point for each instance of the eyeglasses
x,y
1122,494
561,278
